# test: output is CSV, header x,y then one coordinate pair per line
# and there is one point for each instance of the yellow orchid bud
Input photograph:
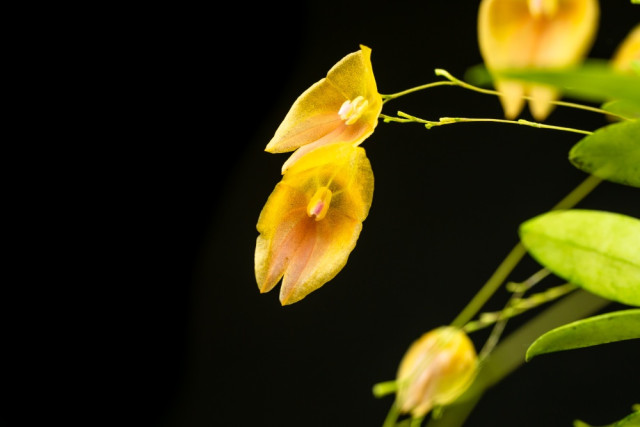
x,y
342,107
538,34
436,369
628,51
312,220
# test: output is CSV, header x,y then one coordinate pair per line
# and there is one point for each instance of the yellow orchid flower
x,y
628,51
312,220
534,34
436,369
342,107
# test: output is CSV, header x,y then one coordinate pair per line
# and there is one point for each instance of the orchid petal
x,y
306,251
628,51
516,34
314,118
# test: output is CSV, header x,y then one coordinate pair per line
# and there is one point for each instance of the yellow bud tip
x,y
319,204
542,8
350,111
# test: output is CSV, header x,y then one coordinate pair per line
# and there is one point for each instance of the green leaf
x,y
623,108
611,152
594,80
478,75
602,329
596,250
632,420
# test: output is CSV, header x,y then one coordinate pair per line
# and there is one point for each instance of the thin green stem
x,y
404,118
491,285
392,416
407,118
416,422
448,120
444,73
516,254
384,388
534,279
519,306
493,339
579,193
488,318
386,98
510,353
453,81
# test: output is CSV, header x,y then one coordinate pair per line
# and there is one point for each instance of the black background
x,y
195,94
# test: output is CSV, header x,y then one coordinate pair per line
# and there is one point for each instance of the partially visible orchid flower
x,y
628,51
436,369
539,34
312,220
342,107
